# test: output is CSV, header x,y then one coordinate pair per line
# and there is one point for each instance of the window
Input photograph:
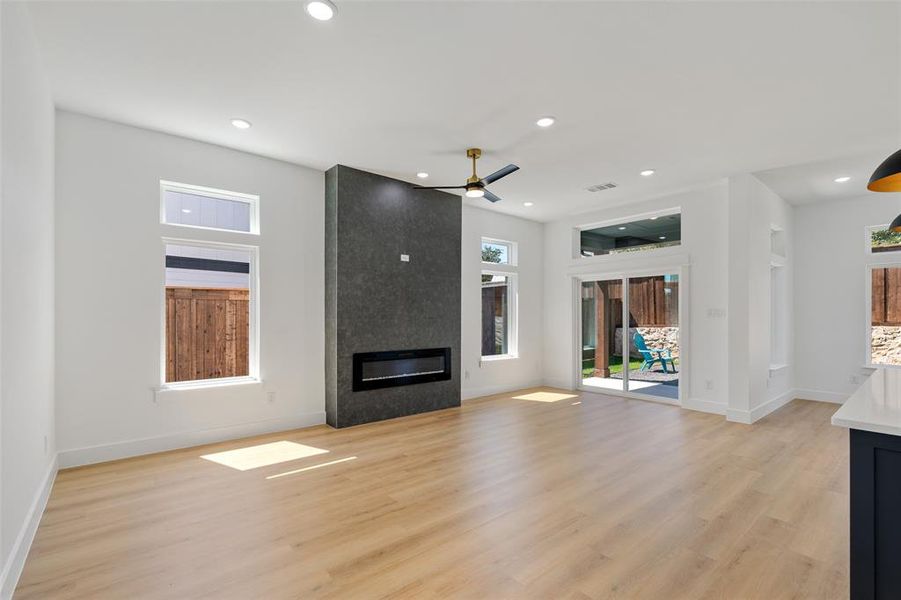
x,y
498,290
884,347
209,316
883,293
880,239
207,208
497,252
656,231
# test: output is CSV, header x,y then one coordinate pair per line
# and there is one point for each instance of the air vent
x,y
601,187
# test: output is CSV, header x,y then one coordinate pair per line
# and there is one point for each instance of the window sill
x,y
499,357
778,367
206,384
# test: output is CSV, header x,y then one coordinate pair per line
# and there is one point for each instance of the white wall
x,y
703,248
489,377
26,303
110,277
830,292
755,389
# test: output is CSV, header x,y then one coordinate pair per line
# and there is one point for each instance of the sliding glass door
x,y
640,315
654,336
602,350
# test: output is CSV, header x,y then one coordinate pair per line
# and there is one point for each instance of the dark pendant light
x,y
887,176
896,225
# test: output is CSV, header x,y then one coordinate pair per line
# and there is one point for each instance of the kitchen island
x,y
873,415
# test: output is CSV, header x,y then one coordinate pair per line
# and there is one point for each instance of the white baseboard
x,y
708,406
755,414
106,452
820,396
469,394
559,383
772,405
9,576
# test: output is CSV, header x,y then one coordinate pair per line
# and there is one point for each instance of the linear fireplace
x,y
373,370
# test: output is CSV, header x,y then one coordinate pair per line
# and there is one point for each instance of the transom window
x,y
882,240
207,208
635,235
498,252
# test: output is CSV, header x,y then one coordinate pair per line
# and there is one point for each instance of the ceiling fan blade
x,y
439,187
500,173
490,197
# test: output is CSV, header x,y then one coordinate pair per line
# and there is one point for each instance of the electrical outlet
x,y
466,374
270,396
708,384
855,379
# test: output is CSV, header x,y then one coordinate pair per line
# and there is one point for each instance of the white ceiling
x,y
697,91
815,181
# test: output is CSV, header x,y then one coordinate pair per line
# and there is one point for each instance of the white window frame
x,y
253,349
868,310
512,316
197,190
611,256
510,270
868,245
512,258
623,275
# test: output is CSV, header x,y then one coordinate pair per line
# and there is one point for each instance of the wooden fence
x,y
207,333
653,302
886,296
494,305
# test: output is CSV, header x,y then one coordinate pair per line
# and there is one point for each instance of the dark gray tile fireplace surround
x,y
377,302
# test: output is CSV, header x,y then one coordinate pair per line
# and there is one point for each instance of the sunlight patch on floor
x,y
263,455
311,467
545,396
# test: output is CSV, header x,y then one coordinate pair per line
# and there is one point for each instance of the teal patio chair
x,y
653,355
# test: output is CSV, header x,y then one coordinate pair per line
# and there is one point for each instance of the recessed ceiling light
x,y
422,174
545,121
528,204
647,172
241,123
321,10
662,237
621,228
187,211
842,179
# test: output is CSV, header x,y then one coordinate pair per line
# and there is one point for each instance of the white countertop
x,y
875,406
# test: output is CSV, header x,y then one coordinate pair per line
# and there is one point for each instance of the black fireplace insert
x,y
373,370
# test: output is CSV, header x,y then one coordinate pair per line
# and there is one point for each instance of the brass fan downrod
x,y
474,154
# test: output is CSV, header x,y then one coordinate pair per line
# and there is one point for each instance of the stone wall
x,y
661,337
886,345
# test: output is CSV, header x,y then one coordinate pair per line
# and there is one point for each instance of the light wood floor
x,y
585,497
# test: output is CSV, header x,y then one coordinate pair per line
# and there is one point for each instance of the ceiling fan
x,y
475,185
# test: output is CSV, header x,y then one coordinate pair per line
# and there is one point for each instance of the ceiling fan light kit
x,y
475,185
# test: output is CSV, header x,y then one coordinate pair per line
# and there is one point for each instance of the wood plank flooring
x,y
585,497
